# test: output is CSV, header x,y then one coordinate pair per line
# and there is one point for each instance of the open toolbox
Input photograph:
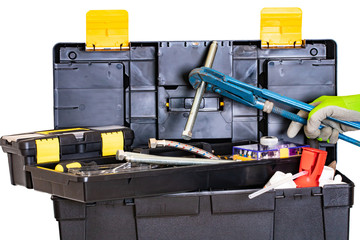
x,y
144,87
29,170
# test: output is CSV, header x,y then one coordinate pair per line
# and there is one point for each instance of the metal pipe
x,y
211,55
187,133
161,160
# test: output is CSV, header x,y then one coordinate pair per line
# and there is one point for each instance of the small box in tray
x,y
258,152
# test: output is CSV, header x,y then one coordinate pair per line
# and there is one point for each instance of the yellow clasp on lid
x,y
107,30
281,28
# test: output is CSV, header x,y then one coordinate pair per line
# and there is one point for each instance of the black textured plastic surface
x,y
159,181
281,214
22,152
147,87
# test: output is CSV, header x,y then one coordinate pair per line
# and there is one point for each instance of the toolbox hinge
x,y
281,28
107,30
111,142
47,150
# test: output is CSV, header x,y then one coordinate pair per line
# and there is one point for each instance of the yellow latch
x,y
107,30
111,142
47,150
281,28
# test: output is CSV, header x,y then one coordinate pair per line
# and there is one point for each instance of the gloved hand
x,y
345,108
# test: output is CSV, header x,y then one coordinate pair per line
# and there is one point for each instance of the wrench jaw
x,y
195,78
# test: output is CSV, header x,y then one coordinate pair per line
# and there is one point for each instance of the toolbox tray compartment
x,y
301,213
248,174
73,144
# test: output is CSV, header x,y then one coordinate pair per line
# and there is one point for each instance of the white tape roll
x,y
269,140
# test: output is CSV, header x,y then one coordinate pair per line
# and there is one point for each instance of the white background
x,y
29,29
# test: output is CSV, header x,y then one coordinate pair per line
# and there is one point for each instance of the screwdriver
x,y
65,166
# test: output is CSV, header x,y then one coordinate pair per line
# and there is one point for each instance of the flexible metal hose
x,y
153,143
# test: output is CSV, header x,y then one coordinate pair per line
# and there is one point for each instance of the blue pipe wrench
x,y
255,97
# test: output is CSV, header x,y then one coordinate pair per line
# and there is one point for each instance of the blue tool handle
x,y
267,94
255,97
289,115
297,118
349,139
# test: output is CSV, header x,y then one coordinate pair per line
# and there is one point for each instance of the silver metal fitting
x,y
187,135
152,143
120,155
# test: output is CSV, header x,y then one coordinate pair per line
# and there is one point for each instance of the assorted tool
x,y
66,165
252,96
104,169
310,171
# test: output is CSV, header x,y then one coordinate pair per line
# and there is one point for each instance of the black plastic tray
x,y
158,181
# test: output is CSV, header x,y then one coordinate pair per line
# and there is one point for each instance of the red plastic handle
x,y
312,161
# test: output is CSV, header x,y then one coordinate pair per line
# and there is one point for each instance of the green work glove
x,y
345,108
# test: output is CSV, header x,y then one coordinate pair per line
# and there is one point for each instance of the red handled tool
x,y
312,161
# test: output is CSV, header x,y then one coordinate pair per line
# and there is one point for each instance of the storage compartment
x,y
302,213
160,180
53,146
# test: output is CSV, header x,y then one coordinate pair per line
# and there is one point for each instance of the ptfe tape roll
x,y
269,140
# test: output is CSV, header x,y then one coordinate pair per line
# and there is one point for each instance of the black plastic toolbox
x,y
146,89
155,74
149,182
307,213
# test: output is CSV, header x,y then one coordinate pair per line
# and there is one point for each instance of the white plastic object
x,y
337,180
279,176
327,174
273,186
269,140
